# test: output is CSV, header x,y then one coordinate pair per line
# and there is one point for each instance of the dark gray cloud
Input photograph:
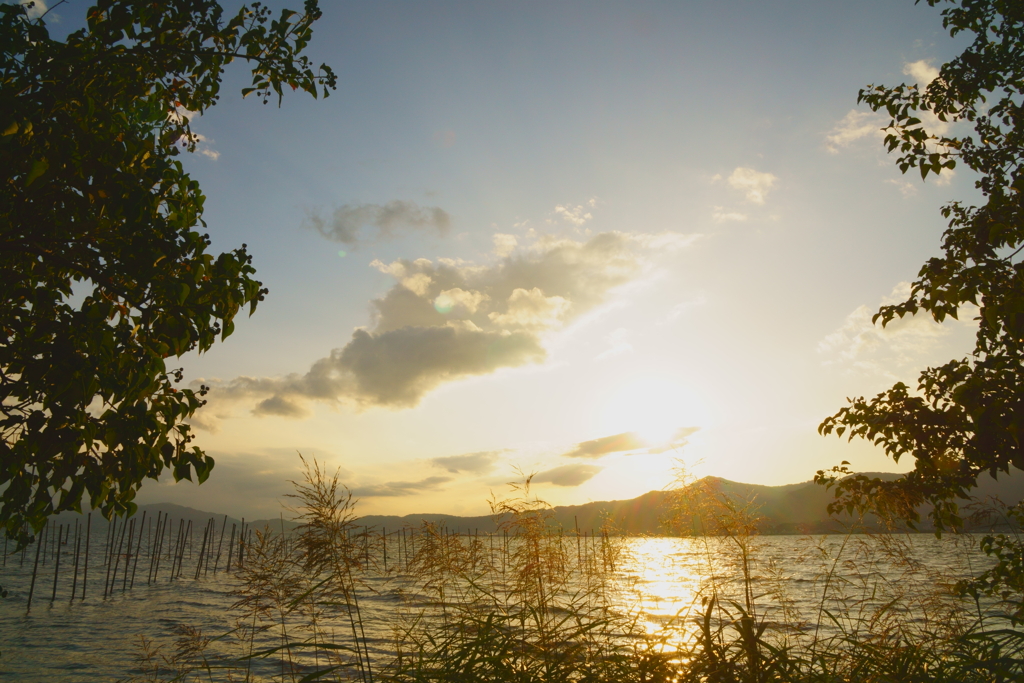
x,y
278,405
400,366
446,320
353,224
475,463
627,441
399,488
567,475
393,369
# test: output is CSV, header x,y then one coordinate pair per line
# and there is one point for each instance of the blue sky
x,y
580,239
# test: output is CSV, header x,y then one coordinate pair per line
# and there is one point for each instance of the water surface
x,y
662,579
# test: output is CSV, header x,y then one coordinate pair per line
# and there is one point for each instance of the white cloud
x,y
203,147
903,343
457,298
665,241
447,320
720,215
415,281
577,215
907,188
531,309
35,9
754,184
922,72
504,244
945,178
201,142
852,127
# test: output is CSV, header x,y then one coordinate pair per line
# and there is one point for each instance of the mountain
x,y
787,509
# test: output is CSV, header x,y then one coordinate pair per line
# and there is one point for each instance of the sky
x,y
588,241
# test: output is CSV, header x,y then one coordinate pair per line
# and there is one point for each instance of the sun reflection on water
x,y
666,582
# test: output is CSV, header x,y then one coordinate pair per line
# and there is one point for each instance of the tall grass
x,y
534,603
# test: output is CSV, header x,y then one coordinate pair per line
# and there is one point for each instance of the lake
x,y
661,580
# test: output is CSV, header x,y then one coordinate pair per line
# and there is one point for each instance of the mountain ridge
x,y
785,509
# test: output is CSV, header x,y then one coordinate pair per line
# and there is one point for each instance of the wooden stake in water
x,y
138,549
579,553
160,544
159,547
212,526
85,569
127,556
241,544
56,564
109,536
32,586
179,549
184,544
210,555
78,547
167,529
154,541
173,556
202,551
117,560
106,580
154,547
231,548
44,536
220,545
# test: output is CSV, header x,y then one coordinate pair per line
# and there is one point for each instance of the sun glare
x,y
656,409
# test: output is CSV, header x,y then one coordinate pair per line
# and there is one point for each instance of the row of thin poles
x,y
405,544
165,546
123,550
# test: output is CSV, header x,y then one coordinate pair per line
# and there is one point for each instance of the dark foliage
x,y
104,270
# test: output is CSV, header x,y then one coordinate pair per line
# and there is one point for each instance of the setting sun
x,y
654,409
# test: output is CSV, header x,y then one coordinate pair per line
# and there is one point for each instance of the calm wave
x,y
96,639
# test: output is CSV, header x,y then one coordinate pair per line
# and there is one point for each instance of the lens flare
x,y
444,303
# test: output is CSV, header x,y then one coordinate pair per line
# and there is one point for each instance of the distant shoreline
x,y
791,509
